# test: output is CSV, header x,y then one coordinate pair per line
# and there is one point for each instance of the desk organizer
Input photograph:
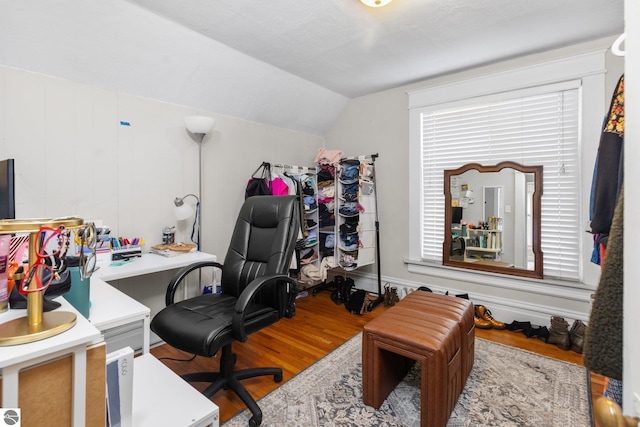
x,y
126,252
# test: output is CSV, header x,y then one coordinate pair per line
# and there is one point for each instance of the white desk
x,y
111,308
161,398
146,264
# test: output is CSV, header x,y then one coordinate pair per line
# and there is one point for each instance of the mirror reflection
x,y
493,220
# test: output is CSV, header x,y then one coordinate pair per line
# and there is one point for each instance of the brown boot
x,y
387,294
559,333
576,336
393,297
480,322
485,314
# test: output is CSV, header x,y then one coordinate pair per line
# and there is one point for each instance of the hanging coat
x,y
608,169
603,340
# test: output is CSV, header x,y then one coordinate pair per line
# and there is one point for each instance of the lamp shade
x,y
183,210
199,124
376,3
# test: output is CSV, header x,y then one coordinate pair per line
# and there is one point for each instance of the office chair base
x,y
229,379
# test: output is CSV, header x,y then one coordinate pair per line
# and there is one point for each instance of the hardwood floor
x,y
319,327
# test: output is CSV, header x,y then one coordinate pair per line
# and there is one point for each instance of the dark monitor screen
x,y
456,214
7,190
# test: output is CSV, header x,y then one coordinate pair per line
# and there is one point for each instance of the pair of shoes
x,y
342,289
484,319
518,326
576,336
480,322
390,295
336,294
559,333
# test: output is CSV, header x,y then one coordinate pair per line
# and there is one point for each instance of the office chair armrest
x,y
247,296
181,274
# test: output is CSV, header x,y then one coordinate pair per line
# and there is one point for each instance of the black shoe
x,y
538,332
543,334
347,286
517,325
338,285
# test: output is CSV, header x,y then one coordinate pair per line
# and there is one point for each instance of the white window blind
x,y
540,129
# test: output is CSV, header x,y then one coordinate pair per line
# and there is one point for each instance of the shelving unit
x,y
482,245
356,230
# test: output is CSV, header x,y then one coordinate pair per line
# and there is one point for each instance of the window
x,y
535,126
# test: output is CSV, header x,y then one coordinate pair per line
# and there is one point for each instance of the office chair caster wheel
x,y
277,377
253,422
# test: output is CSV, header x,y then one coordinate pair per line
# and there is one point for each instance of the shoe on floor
x,y
559,333
518,326
479,321
484,313
576,336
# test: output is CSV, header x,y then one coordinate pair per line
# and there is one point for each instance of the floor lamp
x,y
198,126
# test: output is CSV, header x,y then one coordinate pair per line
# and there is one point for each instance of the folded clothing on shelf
x,y
350,173
349,259
309,203
349,209
348,228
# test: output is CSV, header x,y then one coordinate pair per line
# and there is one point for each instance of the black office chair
x,y
256,292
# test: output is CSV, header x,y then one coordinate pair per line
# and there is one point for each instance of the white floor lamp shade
x,y
199,124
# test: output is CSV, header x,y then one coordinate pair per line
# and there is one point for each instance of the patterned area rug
x,y
507,387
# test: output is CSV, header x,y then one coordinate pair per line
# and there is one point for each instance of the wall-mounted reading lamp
x,y
198,126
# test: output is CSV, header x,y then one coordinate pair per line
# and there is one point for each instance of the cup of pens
x,y
123,249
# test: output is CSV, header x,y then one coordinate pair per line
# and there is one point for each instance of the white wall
x,y
380,123
74,157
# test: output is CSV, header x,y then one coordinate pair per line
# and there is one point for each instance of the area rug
x,y
506,387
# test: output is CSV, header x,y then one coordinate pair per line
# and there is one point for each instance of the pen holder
x,y
78,295
125,253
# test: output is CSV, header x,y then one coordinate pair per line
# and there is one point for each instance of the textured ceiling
x,y
354,50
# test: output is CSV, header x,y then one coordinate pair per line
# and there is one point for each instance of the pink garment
x,y
328,156
279,187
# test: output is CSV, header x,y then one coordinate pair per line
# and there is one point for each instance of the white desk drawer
x,y
130,335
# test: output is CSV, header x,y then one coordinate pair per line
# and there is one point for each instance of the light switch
x,y
507,208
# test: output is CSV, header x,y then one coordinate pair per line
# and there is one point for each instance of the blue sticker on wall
x,y
122,123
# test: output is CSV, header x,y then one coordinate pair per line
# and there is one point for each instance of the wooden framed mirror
x,y
508,239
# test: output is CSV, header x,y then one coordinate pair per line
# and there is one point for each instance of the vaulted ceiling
x,y
287,63
354,50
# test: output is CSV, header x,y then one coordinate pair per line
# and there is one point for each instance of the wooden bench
x,y
434,330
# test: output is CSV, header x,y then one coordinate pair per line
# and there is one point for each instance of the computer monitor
x,y
7,190
456,214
